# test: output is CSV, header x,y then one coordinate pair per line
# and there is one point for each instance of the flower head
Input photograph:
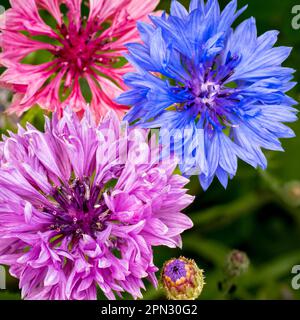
x,y
82,42
78,212
227,87
237,263
182,279
291,193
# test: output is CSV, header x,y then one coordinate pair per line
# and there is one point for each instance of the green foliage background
x,y
258,213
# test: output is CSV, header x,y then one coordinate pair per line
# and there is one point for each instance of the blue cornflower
x,y
226,86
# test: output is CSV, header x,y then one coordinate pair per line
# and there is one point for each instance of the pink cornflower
x,y
76,216
84,41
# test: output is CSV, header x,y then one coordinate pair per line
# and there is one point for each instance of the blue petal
x,y
178,10
222,175
197,4
146,31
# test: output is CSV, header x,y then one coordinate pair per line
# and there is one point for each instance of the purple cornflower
x,y
74,216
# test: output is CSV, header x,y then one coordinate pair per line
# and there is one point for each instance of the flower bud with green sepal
x,y
182,279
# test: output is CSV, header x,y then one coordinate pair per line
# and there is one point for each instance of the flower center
x,y
175,270
78,209
205,93
208,93
79,49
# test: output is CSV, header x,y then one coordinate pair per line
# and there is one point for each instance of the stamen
x,y
206,93
76,211
227,77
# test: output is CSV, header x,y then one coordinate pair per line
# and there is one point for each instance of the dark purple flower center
x,y
175,270
208,93
78,208
205,93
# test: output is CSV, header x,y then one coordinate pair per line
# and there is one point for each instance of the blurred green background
x,y
259,212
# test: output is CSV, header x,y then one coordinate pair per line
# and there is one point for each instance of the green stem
x,y
271,271
226,213
276,188
210,250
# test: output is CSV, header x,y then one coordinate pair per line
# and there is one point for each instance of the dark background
x,y
259,212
